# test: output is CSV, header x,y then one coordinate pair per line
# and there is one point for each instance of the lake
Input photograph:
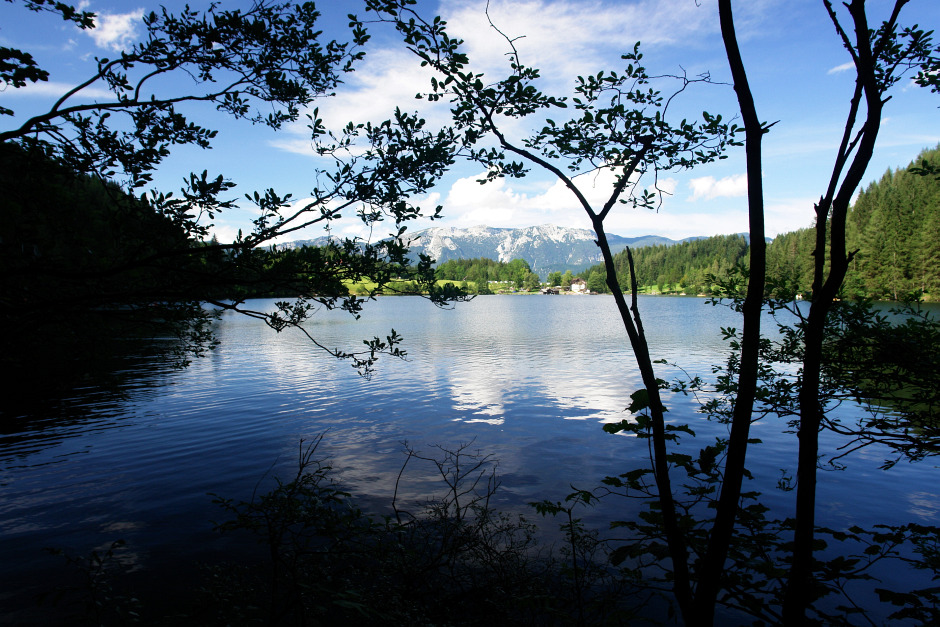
x,y
529,380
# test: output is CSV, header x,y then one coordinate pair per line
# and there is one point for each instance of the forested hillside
x,y
684,267
894,226
83,262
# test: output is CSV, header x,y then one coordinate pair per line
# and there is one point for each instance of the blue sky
x,y
795,62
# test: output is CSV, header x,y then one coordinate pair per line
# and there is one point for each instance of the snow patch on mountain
x,y
546,248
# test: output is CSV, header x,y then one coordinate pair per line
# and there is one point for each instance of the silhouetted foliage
x,y
451,559
712,520
265,65
620,122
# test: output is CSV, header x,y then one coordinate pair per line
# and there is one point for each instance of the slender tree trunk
x,y
800,579
630,314
832,210
709,576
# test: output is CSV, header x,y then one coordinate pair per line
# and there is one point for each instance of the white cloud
x,y
707,187
386,79
296,145
224,233
569,37
116,31
505,203
470,203
56,90
842,68
501,203
594,34
788,214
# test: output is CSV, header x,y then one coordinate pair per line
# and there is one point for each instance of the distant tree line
x,y
481,271
894,225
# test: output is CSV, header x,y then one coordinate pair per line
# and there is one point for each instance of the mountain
x,y
546,248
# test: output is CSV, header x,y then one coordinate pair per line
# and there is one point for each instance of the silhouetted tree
x,y
881,58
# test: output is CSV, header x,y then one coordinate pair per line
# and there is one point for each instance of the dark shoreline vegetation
x,y
304,553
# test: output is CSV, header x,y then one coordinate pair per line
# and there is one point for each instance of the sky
x,y
800,75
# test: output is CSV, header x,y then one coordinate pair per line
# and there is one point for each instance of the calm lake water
x,y
530,380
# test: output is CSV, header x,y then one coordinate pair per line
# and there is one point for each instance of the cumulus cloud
x,y
514,203
707,187
116,31
587,27
595,33
502,202
388,79
385,80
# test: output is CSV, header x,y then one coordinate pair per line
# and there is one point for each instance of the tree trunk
x,y
826,287
682,587
710,572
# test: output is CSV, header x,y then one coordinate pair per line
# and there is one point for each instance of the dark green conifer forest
x,y
684,267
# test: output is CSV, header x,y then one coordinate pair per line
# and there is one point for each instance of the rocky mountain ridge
x,y
546,248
